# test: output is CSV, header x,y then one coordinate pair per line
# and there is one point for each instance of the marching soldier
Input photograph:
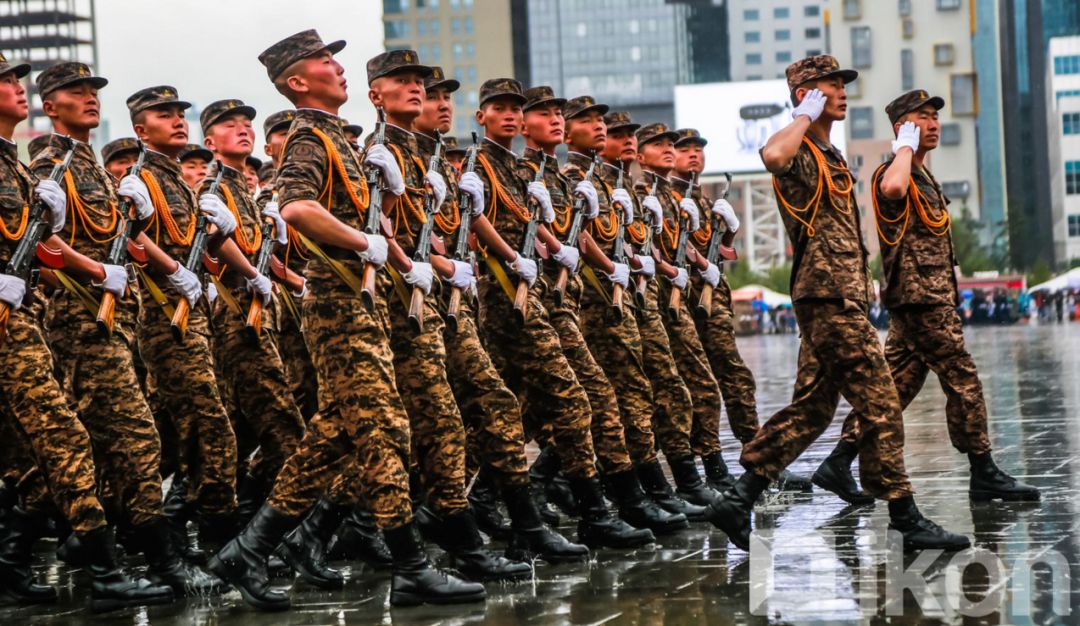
x,y
839,351
194,163
455,154
118,155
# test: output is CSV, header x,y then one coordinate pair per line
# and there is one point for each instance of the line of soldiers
x,y
324,366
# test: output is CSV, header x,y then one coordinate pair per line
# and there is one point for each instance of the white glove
x,y
299,295
463,277
116,279
187,283
471,184
680,279
691,209
421,275
217,213
588,191
539,192
908,137
652,205
712,275
813,103
525,268
211,293
568,256
648,266
621,275
281,231
622,198
377,250
438,186
262,286
723,209
56,199
133,187
12,291
378,156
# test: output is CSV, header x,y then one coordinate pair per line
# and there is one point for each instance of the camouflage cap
x,y
355,129
278,57
394,62
37,144
541,95
690,135
450,145
117,147
438,80
654,132
501,88
275,121
267,171
911,101
253,162
617,120
195,151
220,108
65,74
20,69
162,95
583,104
815,67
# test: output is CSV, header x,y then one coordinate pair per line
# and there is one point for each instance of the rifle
x,y
704,306
422,254
106,316
572,237
179,322
373,220
461,246
528,251
619,256
253,324
646,249
37,227
680,252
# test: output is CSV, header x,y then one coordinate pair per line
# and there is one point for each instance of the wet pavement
x,y
815,561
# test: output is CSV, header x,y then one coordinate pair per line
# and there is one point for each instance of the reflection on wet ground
x,y
820,562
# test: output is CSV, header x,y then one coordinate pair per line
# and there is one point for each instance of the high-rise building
x,y
1063,143
767,35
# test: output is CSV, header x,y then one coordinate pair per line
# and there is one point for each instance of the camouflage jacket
x,y
248,234
448,218
637,231
602,229
406,212
181,206
16,190
668,196
499,167
561,190
700,239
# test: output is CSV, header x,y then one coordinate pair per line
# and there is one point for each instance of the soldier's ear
x,y
375,97
296,83
480,117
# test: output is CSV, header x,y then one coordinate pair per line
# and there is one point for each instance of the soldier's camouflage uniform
x,y
839,352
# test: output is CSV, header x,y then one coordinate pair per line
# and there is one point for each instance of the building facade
x,y
767,35
1063,120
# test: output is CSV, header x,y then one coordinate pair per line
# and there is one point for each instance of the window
x,y
468,26
813,33
907,28
861,46
813,52
470,50
1072,177
783,34
1074,225
1067,64
472,73
752,36
421,28
862,122
394,29
391,7
454,4
852,9
948,5
1068,93
950,134
458,51
753,59
852,89
751,15
956,188
962,92
812,11
783,57
455,26
1070,123
436,52
905,8
582,29
944,54
907,70
781,13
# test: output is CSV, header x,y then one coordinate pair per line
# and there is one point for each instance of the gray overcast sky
x,y
208,50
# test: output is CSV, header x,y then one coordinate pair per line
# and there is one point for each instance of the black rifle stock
x,y
461,246
118,252
572,238
422,254
528,250
704,306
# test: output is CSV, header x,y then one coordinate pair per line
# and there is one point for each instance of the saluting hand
x,y
813,103
907,137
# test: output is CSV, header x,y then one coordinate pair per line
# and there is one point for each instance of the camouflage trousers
x,y
255,377
673,408
531,361
717,333
839,355
931,338
618,348
44,429
298,368
693,364
361,420
187,391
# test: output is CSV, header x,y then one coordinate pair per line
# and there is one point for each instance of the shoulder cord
x,y
932,224
163,215
404,201
79,209
21,230
607,233
500,195
823,181
249,245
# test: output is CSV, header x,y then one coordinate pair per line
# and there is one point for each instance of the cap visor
x,y
448,84
336,46
201,153
846,75
698,140
559,102
520,99
21,69
631,127
937,102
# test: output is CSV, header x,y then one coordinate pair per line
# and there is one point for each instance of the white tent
x,y
753,292
1068,280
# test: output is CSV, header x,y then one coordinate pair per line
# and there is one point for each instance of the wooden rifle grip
x,y
416,310
106,315
674,303
453,309
704,305
180,320
639,293
521,300
560,285
616,301
367,286
254,316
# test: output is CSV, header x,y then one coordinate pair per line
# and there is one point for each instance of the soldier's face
x,y
545,125
401,95
274,142
120,164
163,128
251,175
320,77
620,145
13,104
690,157
501,119
232,137
658,155
926,118
193,170
587,131
438,112
75,106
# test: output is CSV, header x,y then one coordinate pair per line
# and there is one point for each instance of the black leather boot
x,y
732,511
250,495
177,512
462,541
483,498
989,482
717,475
639,511
919,532
659,491
110,587
834,474
18,532
164,565
531,538
546,472
688,483
304,549
358,539
547,512
215,531
242,562
416,582
794,482
598,528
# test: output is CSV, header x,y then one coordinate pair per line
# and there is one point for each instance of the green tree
x,y
970,253
739,274
778,278
1040,273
